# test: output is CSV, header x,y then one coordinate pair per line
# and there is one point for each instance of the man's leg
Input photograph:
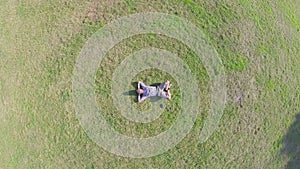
x,y
164,85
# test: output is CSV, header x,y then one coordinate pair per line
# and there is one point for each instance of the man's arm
x,y
139,85
140,99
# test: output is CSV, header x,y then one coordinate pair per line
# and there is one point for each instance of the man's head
x,y
140,91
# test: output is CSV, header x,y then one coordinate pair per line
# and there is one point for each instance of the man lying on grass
x,y
144,91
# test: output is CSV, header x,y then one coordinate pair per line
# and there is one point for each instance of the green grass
x,y
257,41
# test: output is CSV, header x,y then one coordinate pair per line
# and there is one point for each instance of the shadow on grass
x,y
291,145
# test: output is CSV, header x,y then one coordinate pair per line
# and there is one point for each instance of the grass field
x,y
257,41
